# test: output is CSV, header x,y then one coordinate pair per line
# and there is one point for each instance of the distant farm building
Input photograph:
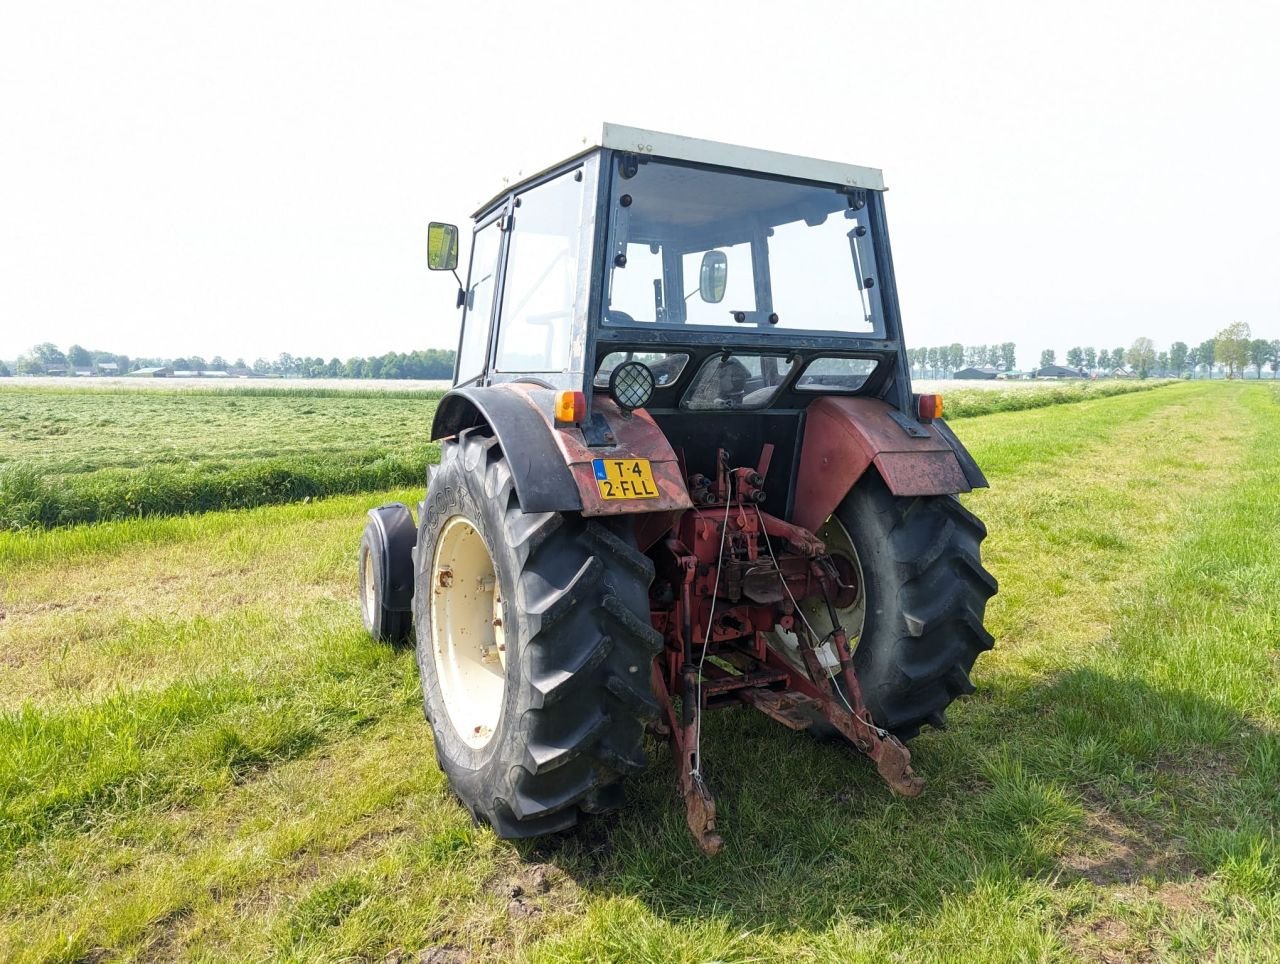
x,y
1057,371
1120,373
108,368
84,372
55,368
161,372
984,372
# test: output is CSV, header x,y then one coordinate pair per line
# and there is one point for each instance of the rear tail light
x,y
929,407
571,408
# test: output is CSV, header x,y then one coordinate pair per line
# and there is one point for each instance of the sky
x,y
246,179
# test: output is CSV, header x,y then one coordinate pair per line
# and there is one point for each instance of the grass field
x,y
202,756
77,453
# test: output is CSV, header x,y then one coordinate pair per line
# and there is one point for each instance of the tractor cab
x,y
682,277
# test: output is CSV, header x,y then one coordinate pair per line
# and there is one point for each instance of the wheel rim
x,y
467,634
369,598
852,617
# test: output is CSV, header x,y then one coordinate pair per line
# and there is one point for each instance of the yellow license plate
x,y
625,479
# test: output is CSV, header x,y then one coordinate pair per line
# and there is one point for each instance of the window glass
x,y
799,256
666,366
737,381
479,303
809,268
636,293
540,287
835,374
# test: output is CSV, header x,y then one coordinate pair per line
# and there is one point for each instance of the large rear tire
x,y
926,593
539,692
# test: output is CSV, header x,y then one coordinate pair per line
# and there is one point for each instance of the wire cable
x,y
696,772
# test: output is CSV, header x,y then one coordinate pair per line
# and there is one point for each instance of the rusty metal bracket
x,y
892,759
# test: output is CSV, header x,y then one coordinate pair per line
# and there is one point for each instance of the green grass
x,y
91,454
970,402
201,755
79,455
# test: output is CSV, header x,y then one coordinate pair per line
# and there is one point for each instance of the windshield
x,y
708,247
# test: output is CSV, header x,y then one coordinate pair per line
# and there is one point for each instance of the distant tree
x,y
1104,360
1207,353
1231,347
181,365
239,363
1075,357
4,370
78,357
1047,357
1275,357
1117,357
261,366
1141,356
197,364
334,368
931,355
1178,352
47,353
1259,353
1008,356
219,364
1091,358
1162,363
29,365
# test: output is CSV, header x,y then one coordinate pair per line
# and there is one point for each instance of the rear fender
x,y
552,467
844,437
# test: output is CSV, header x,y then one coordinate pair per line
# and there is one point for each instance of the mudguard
x,y
844,437
397,535
552,466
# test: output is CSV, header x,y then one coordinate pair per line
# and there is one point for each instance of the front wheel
x,y
534,648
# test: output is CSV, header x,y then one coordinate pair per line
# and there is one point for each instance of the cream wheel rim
x,y
467,635
370,597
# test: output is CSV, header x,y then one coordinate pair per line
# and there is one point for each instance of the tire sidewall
x,y
454,492
374,617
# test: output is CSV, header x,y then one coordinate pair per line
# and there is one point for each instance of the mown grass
x,y
89,454
971,402
201,756
77,455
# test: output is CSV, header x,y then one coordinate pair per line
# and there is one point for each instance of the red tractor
x,y
681,468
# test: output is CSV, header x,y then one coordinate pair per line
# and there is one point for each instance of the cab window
x,y
540,286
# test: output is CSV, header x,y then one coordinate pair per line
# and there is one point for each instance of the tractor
x,y
681,468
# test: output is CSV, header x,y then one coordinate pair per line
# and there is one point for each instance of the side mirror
x,y
442,246
713,277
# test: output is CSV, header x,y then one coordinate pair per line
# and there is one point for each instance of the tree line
x,y
1231,352
431,363
941,361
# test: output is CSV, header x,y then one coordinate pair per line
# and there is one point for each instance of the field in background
x,y
202,756
83,452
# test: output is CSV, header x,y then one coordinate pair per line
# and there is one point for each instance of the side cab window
x,y
481,284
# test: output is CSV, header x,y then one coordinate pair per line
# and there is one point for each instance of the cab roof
x,y
636,140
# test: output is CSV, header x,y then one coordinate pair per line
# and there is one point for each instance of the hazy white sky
x,y
244,178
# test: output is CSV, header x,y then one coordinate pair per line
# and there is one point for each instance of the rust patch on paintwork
x,y
844,436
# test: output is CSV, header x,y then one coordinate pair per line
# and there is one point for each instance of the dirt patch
x,y
1113,851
